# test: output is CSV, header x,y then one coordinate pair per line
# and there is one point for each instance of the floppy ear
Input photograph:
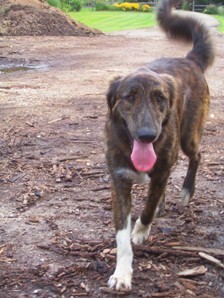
x,y
111,94
171,88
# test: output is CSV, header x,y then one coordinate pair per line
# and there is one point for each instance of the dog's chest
x,y
135,177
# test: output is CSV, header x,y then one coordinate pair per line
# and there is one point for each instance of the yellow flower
x,y
128,6
146,7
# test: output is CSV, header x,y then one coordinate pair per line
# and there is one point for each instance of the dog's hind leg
x,y
192,126
160,210
155,196
121,197
189,181
190,139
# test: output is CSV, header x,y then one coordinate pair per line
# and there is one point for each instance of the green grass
x,y
220,19
109,21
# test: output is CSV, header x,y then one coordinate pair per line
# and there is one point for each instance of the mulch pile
x,y
17,19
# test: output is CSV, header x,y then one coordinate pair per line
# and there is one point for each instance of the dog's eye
x,y
130,97
160,98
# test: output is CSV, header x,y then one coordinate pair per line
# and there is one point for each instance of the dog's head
x,y
141,102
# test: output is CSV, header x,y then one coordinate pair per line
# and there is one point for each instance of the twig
x,y
211,259
55,120
159,251
162,294
79,294
67,158
63,251
111,291
19,176
82,141
100,188
193,271
30,124
214,251
94,173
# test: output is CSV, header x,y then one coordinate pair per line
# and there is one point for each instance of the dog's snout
x,y
146,135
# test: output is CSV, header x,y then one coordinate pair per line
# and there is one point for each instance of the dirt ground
x,y
56,228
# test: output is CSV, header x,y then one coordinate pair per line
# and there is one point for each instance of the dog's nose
x,y
146,135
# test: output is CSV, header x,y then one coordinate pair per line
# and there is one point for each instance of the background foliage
x,y
112,22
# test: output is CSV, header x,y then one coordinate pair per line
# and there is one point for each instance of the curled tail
x,y
188,29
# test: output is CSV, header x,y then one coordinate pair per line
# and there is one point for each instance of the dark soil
x,y
34,17
56,227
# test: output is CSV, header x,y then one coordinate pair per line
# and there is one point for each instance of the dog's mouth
x,y
143,156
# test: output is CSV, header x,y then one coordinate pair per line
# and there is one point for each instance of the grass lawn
x,y
220,19
108,21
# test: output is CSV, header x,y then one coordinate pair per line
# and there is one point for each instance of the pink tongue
x,y
143,156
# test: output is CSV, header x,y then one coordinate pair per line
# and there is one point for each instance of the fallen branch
x,y
211,259
79,294
64,251
162,294
100,189
65,158
115,292
159,251
55,120
193,272
190,283
17,177
93,173
214,251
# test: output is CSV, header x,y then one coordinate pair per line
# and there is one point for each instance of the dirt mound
x,y
35,17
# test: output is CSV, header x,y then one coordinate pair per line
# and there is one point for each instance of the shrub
x,y
55,3
127,6
75,5
211,9
186,5
204,2
221,10
146,8
104,6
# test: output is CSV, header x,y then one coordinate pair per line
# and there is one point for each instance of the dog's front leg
x,y
121,197
143,224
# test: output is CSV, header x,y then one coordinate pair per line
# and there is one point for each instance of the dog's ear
x,y
171,88
111,93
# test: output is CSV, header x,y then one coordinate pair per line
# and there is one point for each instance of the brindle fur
x,y
169,97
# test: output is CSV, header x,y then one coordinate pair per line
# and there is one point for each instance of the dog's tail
x,y
188,29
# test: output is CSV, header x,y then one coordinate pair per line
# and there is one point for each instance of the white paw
x,y
185,197
121,280
140,232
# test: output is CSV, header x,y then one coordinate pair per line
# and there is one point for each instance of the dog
x,y
152,112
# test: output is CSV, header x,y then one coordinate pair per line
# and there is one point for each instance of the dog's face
x,y
141,102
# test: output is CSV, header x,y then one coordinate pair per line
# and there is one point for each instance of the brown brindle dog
x,y
151,113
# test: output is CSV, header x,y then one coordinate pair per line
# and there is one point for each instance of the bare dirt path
x,y
56,228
